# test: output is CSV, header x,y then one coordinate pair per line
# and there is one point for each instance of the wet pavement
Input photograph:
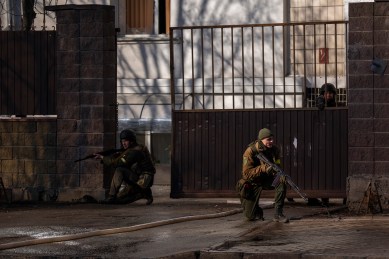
x,y
189,228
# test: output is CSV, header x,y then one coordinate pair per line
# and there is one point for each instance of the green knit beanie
x,y
264,133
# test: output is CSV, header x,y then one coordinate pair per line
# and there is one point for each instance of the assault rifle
x,y
279,173
103,153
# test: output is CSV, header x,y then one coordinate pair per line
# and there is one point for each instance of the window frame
x,y
121,20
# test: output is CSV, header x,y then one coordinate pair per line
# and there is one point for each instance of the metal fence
x,y
27,73
26,16
257,66
208,147
227,82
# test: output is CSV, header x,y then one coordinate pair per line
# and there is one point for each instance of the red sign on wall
x,y
323,55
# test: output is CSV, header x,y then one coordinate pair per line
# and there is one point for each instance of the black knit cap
x,y
327,87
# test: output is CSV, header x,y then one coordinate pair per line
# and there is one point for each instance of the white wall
x,y
218,12
144,63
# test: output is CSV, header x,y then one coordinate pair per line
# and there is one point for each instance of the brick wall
x,y
28,158
38,155
368,100
86,95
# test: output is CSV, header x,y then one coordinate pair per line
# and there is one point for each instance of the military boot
x,y
280,217
259,214
148,195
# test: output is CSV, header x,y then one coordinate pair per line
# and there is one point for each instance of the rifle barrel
x,y
103,153
85,158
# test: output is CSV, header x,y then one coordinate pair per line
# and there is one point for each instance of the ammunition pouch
x,y
145,180
245,189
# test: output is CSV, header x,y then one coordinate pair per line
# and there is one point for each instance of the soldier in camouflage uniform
x,y
134,170
258,176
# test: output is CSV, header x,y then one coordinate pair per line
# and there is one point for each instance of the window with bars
x,y
147,16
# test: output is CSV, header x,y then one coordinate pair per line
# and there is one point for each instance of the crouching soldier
x,y
134,170
258,176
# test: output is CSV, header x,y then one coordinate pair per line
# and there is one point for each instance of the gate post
x,y
368,98
86,95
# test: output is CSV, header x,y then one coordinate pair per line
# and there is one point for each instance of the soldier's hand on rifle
x,y
267,169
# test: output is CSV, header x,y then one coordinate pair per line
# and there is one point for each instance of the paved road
x,y
316,234
43,221
358,237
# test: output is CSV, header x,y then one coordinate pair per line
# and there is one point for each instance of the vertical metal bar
x,y
38,79
315,62
252,63
18,70
51,75
183,71
274,76
263,68
222,40
44,13
232,67
347,69
202,65
325,47
336,56
244,106
172,81
305,70
294,56
283,61
44,94
213,71
193,83
2,65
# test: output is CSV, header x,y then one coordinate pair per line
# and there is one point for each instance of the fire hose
x,y
113,231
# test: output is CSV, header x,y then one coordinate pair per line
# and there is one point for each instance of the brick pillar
x,y
86,95
368,100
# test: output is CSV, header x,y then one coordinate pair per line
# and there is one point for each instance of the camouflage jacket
x,y
253,169
135,158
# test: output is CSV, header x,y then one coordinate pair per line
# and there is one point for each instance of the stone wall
x,y
28,159
368,102
86,95
39,155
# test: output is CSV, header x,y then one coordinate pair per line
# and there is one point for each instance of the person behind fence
x,y
258,176
134,171
327,96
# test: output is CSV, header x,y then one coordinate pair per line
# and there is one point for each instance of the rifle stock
x,y
280,173
103,153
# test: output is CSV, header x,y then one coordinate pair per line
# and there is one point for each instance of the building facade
x,y
143,50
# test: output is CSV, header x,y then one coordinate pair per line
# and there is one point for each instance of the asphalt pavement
x,y
188,228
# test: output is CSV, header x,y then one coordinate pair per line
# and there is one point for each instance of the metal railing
x,y
256,66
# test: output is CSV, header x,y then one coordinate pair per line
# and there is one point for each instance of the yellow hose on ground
x,y
113,231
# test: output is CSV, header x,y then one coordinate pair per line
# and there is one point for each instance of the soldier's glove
x,y
267,169
283,179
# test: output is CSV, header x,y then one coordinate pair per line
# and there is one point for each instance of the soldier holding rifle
x,y
258,175
133,167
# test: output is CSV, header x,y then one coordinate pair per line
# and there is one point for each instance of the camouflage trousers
x,y
250,204
126,181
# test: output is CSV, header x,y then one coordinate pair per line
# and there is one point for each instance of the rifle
x,y
103,153
280,173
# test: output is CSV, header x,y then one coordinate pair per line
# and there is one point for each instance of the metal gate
x,y
228,82
27,73
209,145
